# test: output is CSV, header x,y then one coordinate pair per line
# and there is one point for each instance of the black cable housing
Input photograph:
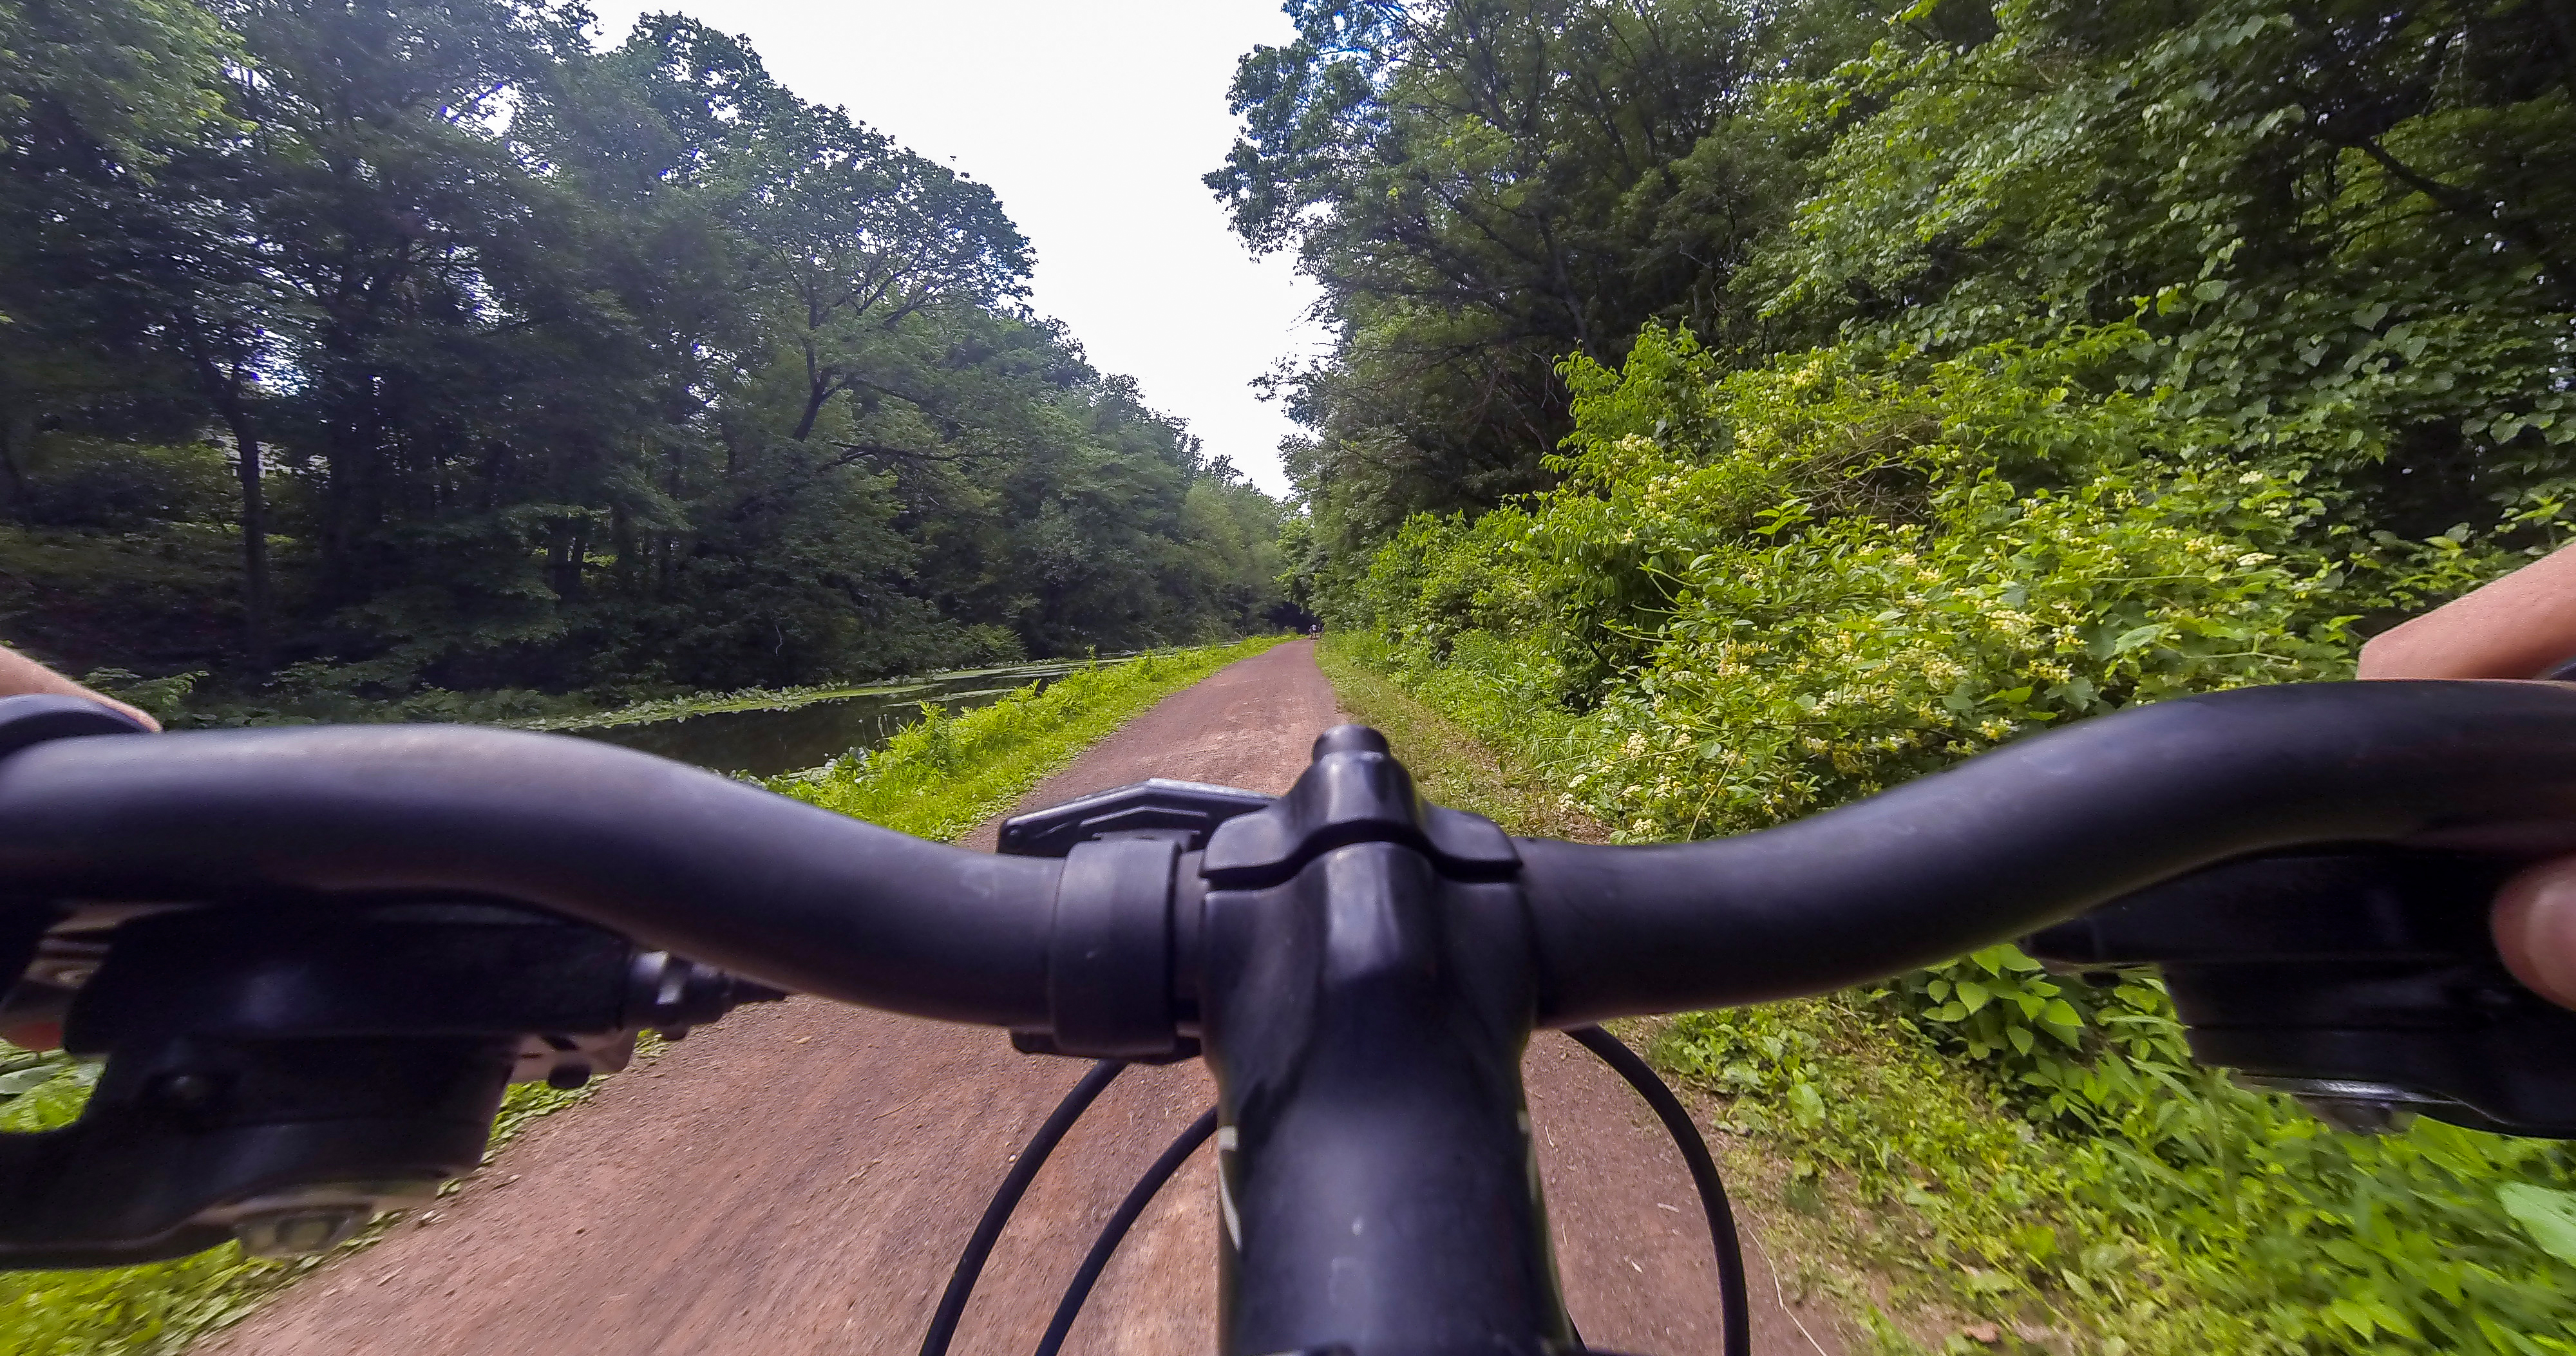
x,y
1006,1198
1737,1314
1112,1233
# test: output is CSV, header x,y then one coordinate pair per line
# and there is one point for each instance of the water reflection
x,y
765,743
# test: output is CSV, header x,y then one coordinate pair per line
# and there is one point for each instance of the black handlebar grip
x,y
2364,981
2045,829
717,870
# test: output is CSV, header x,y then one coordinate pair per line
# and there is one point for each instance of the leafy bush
x,y
165,698
2212,1221
1762,593
131,487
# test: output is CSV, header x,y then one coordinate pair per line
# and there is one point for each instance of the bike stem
x,y
1365,990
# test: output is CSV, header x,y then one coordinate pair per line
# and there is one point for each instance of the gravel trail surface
x,y
799,1177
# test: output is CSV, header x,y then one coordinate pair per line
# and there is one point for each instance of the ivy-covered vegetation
x,y
398,349
1957,372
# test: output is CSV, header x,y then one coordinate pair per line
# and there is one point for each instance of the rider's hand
x,y
21,676
2520,626
2535,929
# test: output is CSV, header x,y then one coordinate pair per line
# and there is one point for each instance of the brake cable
x,y
1129,1210
1006,1198
1735,1315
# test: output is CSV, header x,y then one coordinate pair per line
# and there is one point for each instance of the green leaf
x,y
2137,636
1989,1282
1807,1105
28,1080
2548,1216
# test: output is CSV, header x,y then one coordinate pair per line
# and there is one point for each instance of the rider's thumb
x,y
2535,929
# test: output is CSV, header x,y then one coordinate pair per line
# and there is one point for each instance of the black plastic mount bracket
x,y
1110,954
1184,812
279,1069
1138,857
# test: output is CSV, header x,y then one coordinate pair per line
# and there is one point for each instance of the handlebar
x,y
1359,968
715,869
2046,828
779,891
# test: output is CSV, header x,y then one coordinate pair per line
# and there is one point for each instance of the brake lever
x,y
281,1072
2363,982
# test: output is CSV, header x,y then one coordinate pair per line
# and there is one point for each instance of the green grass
x,y
945,775
1449,763
936,779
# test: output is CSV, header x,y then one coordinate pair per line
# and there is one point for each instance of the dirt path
x,y
800,1177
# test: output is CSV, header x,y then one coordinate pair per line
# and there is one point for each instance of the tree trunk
x,y
17,480
223,390
621,548
815,399
254,535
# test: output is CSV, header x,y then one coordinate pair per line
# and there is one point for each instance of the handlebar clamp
x,y
1112,941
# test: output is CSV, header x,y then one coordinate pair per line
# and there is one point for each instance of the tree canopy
x,y
441,344
2345,225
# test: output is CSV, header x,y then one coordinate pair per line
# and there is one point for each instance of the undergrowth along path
x,y
940,777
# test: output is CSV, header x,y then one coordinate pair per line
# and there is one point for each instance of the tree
x,y
2352,219
1483,187
543,364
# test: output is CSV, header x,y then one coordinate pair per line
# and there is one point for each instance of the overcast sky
x,y
1093,123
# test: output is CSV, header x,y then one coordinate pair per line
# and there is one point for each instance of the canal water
x,y
811,731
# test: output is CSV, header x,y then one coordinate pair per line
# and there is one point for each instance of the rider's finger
x,y
2535,929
